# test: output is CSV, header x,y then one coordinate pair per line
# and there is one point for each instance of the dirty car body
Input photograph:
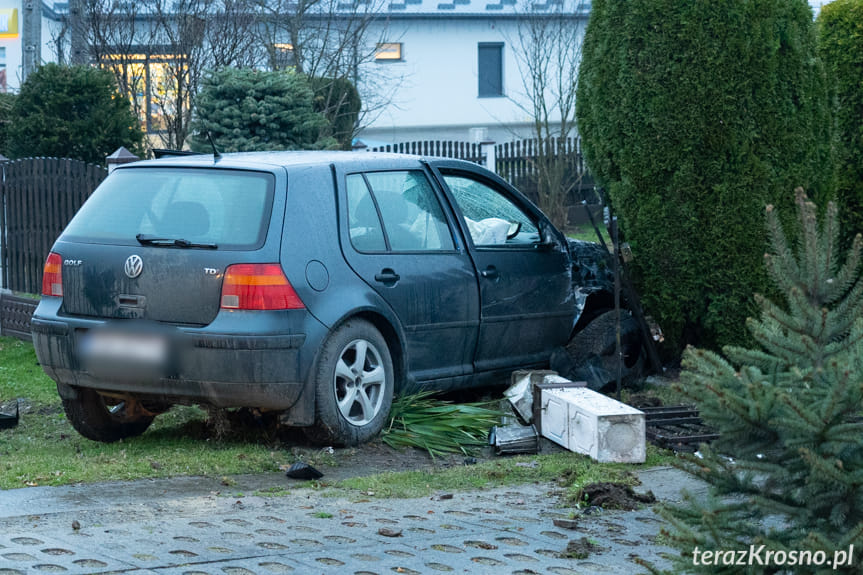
x,y
311,284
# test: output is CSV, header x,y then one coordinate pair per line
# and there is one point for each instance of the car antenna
x,y
216,155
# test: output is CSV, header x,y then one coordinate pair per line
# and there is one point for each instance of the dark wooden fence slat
x,y
41,196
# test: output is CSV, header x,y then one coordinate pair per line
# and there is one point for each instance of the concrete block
x,y
588,422
520,391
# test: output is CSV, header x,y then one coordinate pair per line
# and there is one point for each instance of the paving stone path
x,y
192,526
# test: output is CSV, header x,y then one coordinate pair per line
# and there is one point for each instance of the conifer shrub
x,y
787,469
695,115
72,112
254,110
840,40
6,102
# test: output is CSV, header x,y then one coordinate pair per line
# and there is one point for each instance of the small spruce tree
x,y
787,470
252,110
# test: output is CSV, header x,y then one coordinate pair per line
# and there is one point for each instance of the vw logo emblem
x,y
134,266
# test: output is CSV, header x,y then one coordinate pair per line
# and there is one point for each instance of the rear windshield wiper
x,y
146,240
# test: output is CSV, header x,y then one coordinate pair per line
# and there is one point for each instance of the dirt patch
x,y
582,548
614,496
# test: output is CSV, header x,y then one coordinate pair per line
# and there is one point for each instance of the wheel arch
x,y
392,336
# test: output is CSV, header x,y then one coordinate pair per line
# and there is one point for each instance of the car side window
x,y
412,216
491,218
366,232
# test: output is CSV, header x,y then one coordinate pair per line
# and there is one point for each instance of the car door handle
x,y
490,273
387,277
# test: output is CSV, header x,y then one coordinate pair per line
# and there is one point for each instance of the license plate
x,y
124,349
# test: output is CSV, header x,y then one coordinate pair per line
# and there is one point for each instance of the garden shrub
x,y
840,39
72,112
254,110
694,116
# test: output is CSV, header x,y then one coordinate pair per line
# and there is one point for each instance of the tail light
x,y
52,276
258,286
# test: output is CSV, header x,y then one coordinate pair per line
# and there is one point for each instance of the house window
x,y
490,69
153,83
388,52
283,56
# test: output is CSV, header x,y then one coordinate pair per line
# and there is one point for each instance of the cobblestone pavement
x,y
194,526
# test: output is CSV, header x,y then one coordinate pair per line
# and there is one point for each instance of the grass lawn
x,y
44,449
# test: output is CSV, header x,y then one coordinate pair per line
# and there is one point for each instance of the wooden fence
x,y
40,196
516,162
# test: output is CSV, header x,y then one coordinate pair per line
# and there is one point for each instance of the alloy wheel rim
x,y
359,382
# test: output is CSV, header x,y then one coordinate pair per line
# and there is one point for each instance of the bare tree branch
x,y
547,48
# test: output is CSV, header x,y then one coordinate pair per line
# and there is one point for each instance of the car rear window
x,y
229,208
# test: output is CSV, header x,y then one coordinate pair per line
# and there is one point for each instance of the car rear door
x,y
399,240
524,269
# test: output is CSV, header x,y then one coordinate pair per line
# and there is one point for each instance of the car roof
x,y
269,160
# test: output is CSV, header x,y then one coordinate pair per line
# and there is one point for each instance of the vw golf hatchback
x,y
312,284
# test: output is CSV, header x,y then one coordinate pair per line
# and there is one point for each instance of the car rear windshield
x,y
228,208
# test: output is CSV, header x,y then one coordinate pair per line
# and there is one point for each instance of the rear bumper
x,y
221,364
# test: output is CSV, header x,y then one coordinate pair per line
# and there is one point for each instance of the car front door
x,y
399,240
524,270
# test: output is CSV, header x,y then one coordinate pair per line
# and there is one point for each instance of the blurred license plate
x,y
134,348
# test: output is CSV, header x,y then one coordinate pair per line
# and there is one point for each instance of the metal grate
x,y
677,427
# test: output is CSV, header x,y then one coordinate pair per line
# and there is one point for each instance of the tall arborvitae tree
x,y
840,41
694,116
787,470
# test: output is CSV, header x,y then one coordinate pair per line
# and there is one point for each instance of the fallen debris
x,y
582,548
513,439
566,523
386,532
613,496
520,392
8,421
677,427
588,422
301,470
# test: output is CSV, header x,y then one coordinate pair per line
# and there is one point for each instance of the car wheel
x,y
591,353
105,419
354,384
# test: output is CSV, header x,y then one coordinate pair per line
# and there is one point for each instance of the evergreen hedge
x,y
840,27
72,112
694,116
254,110
6,103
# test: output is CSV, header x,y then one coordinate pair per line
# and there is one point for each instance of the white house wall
x,y
14,46
435,88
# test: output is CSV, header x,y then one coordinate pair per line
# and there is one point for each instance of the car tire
x,y
354,382
99,419
591,353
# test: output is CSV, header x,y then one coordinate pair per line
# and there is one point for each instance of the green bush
x,y
72,112
787,469
840,27
246,110
6,103
694,116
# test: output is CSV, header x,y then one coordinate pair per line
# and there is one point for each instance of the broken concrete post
x,y
520,391
588,422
